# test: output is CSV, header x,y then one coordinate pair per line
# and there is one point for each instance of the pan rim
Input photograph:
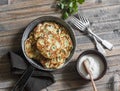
x,y
36,22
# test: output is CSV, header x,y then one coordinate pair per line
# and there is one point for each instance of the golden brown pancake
x,y
50,44
53,63
66,46
29,47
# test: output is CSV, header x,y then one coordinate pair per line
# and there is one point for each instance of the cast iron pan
x,y
34,64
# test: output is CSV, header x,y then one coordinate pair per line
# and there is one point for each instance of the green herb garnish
x,y
69,7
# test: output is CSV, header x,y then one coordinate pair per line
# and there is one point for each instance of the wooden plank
x,y
71,77
85,42
69,72
27,4
8,83
87,4
81,40
10,32
5,89
102,87
102,13
98,3
94,14
16,1
5,50
19,24
80,47
106,26
5,67
8,40
44,90
4,58
79,83
113,66
115,51
110,34
116,86
7,74
104,80
3,2
106,36
105,20
111,27
27,12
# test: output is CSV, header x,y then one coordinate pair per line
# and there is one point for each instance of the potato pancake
x,y
50,44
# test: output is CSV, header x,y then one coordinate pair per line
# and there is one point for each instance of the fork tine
x,y
79,27
87,19
77,24
80,18
83,19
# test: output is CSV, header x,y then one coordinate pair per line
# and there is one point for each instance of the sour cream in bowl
x,y
97,64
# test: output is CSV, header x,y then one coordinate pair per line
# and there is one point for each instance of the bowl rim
x,y
103,59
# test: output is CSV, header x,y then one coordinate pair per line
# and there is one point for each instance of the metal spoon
x,y
99,46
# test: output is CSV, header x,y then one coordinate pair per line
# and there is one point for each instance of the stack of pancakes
x,y
50,44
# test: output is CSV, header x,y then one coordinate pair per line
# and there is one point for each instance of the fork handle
x,y
107,44
99,46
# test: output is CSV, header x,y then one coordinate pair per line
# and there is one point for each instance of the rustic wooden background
x,y
105,18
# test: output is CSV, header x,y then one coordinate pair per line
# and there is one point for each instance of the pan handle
x,y
21,83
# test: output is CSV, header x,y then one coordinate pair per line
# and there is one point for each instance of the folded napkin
x,y
39,79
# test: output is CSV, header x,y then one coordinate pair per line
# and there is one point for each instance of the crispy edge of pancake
x,y
66,44
30,48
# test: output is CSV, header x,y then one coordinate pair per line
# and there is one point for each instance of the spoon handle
x,y
107,44
99,46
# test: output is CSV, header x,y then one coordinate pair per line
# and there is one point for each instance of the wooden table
x,y
105,18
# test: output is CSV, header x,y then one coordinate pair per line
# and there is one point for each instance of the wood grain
x,y
3,2
104,16
16,1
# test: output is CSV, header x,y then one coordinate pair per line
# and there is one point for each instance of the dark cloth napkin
x,y
39,79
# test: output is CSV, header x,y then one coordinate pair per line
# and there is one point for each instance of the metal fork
x,y
85,21
98,45
84,28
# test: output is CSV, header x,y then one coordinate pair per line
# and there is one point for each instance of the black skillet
x,y
34,64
